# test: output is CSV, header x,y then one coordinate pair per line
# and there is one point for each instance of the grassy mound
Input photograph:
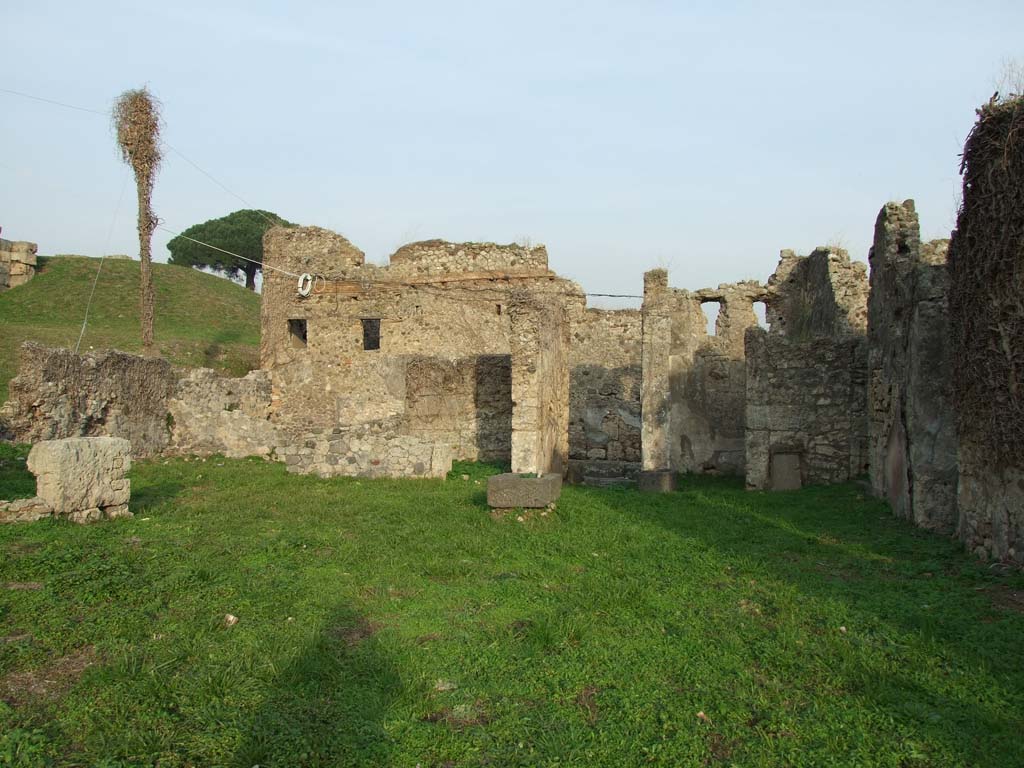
x,y
201,319
397,622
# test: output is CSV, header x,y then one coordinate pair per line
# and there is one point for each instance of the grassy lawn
x,y
399,623
201,319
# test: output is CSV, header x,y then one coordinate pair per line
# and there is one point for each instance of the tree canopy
x,y
240,232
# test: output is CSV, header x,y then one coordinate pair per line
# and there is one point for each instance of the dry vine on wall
x,y
986,261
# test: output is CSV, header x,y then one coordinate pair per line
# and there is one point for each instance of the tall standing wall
x,y
986,302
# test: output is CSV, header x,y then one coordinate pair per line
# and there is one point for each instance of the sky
x,y
698,136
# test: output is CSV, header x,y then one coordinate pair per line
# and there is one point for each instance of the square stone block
x,y
512,490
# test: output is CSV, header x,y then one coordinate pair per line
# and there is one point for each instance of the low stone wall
x,y
806,419
59,394
212,414
374,449
17,263
159,410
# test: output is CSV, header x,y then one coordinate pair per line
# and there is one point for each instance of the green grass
x,y
398,623
201,319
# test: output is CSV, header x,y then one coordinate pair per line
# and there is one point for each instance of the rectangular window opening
x,y
371,333
297,333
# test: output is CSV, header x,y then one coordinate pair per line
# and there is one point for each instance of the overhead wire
x,y
106,247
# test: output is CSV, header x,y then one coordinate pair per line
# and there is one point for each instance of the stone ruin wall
x,y
806,410
694,388
540,385
604,396
158,409
806,376
913,444
444,367
17,263
986,270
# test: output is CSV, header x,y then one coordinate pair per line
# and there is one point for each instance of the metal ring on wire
x,y
305,284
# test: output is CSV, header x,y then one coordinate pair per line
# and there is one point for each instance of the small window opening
x,y
371,333
711,309
297,332
761,313
498,306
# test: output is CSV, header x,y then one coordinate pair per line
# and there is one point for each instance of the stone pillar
x,y
654,388
912,439
540,385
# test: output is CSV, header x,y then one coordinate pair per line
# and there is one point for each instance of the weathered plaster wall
x,y
807,399
540,384
913,453
17,263
604,393
694,384
465,403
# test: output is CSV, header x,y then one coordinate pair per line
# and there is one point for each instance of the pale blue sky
x,y
699,136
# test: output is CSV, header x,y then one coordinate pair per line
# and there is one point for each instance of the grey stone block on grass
x,y
511,490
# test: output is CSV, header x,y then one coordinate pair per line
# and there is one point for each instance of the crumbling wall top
x,y
434,256
309,249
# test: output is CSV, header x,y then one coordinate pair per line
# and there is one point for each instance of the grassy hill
x,y
201,320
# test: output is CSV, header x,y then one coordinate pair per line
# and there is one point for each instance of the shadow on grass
x,y
146,497
327,707
910,597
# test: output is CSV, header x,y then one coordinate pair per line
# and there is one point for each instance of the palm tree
x,y
136,119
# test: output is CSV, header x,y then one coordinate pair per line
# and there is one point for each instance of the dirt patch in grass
x,y
460,716
1006,598
720,749
23,585
353,635
49,682
586,700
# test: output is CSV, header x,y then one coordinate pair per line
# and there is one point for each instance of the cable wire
x,y
110,235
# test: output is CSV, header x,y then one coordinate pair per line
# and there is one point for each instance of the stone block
x,y
79,477
785,472
512,490
656,481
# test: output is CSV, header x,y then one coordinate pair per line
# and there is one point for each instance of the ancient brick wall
x,y
694,384
913,447
806,408
604,394
17,263
986,265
